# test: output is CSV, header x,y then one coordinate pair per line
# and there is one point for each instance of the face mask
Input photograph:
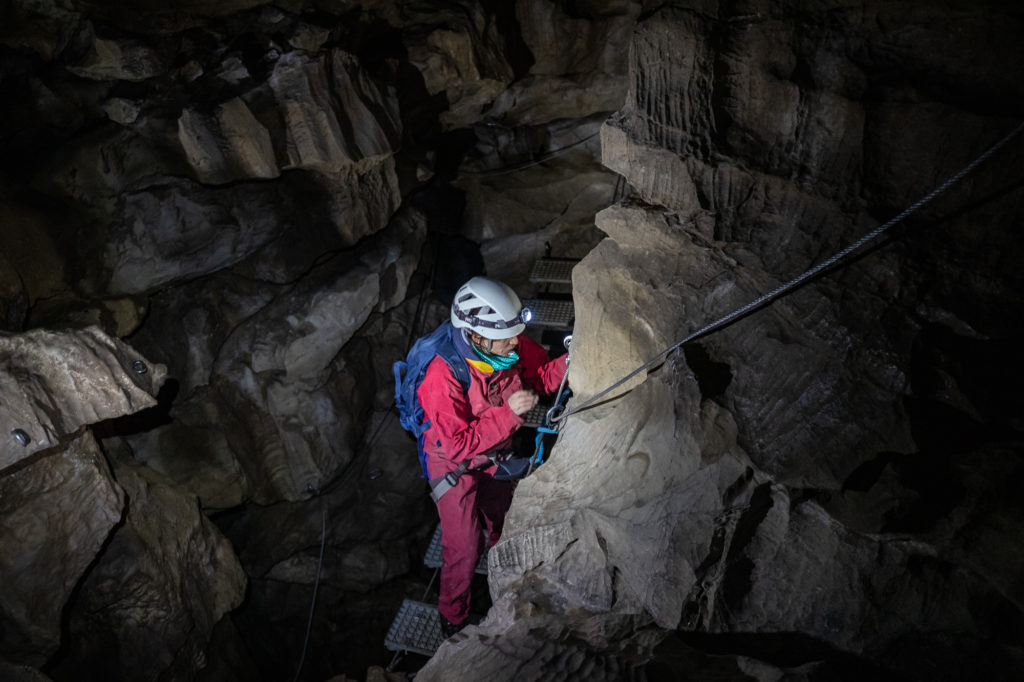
x,y
497,361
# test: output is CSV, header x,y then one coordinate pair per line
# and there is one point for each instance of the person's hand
x,y
522,402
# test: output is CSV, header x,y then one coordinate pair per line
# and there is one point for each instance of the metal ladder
x,y
552,310
417,626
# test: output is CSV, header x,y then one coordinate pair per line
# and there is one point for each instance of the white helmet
x,y
490,308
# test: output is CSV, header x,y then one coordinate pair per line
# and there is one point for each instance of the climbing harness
x,y
792,284
442,484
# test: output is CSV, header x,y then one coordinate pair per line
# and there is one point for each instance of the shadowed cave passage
x,y
265,204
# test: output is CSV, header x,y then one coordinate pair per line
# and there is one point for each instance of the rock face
x,y
773,488
60,501
54,384
148,608
57,512
258,197
78,538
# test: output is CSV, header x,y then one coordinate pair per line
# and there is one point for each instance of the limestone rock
x,y
118,60
523,204
56,483
55,383
461,65
56,512
248,152
100,166
395,257
182,230
274,385
509,193
117,317
182,577
731,487
359,200
580,57
120,110
825,489
333,114
43,28
21,673
541,646
320,118
301,377
286,396
33,258
13,298
191,448
375,515
461,51
197,232
308,37
189,324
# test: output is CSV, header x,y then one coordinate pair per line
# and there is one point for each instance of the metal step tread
x,y
552,271
435,553
535,417
416,628
550,313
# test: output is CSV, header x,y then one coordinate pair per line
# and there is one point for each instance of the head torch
x,y
524,317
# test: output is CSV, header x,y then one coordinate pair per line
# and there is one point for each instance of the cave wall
x,y
256,198
809,493
253,199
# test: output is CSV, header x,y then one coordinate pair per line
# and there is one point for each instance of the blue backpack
x,y
409,374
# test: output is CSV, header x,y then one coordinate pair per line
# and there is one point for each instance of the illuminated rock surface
x,y
268,201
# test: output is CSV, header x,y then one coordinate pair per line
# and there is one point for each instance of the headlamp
x,y
524,317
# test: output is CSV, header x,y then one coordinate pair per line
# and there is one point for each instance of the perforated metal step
x,y
435,553
552,271
416,628
535,417
551,313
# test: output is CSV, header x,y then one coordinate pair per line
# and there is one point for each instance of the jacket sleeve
x,y
539,372
463,435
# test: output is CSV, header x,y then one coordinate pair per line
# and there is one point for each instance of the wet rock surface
x,y
266,203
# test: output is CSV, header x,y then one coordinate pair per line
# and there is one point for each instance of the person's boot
x,y
449,628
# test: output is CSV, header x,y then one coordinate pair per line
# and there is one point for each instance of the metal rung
x,y
435,553
416,628
551,313
552,271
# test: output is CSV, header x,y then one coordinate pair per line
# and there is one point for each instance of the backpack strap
x,y
455,360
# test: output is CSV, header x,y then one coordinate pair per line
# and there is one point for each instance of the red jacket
x,y
479,422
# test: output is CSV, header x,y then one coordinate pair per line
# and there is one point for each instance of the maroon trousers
x,y
478,502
